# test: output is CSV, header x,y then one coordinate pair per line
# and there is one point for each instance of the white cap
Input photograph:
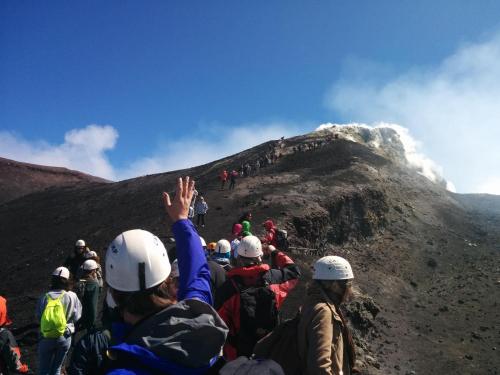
x,y
175,269
90,265
136,260
90,254
223,247
62,272
250,247
80,243
332,268
203,243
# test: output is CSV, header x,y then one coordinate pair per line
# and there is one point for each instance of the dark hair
x,y
247,262
245,216
58,282
145,302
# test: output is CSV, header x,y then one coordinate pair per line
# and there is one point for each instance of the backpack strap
x,y
235,285
55,299
61,296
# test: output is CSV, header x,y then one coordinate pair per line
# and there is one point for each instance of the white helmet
x,y
175,269
90,265
90,254
80,243
203,243
223,247
332,268
62,272
250,247
136,260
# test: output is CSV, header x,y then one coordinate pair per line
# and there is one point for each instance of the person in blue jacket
x,y
163,333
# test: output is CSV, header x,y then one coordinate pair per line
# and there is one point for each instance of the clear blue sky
x,y
153,69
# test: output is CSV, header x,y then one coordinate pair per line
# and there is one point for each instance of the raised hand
x,y
178,208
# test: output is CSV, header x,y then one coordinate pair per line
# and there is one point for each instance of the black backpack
x,y
282,240
258,315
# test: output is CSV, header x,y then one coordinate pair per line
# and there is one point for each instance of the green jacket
x,y
246,227
88,293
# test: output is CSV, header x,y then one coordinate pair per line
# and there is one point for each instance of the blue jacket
x,y
185,338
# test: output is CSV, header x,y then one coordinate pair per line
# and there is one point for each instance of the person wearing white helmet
x,y
325,343
161,332
55,341
222,254
73,262
88,290
98,272
260,291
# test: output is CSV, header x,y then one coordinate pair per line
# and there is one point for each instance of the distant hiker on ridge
x,y
232,179
200,209
223,178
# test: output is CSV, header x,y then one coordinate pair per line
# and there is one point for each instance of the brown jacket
x,y
320,340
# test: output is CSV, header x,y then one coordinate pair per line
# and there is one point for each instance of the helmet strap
x,y
142,275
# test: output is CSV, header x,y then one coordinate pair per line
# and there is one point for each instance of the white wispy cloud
x,y
86,149
83,150
453,109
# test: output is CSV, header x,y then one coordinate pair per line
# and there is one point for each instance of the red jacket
x,y
223,176
227,302
10,356
270,237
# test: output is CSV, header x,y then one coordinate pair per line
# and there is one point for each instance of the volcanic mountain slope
x,y
426,263
18,179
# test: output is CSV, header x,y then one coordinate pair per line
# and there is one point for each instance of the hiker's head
x,y
211,247
237,229
223,249
249,251
92,255
335,276
268,224
89,268
137,271
60,279
246,216
80,247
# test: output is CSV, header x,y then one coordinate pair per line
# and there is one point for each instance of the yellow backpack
x,y
53,322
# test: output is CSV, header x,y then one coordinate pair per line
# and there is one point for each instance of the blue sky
x,y
218,75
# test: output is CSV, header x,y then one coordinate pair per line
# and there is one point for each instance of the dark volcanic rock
x,y
415,248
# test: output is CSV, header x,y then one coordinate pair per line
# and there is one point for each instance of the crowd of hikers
x,y
196,308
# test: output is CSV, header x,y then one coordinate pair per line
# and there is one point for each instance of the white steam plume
x,y
415,158
452,108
